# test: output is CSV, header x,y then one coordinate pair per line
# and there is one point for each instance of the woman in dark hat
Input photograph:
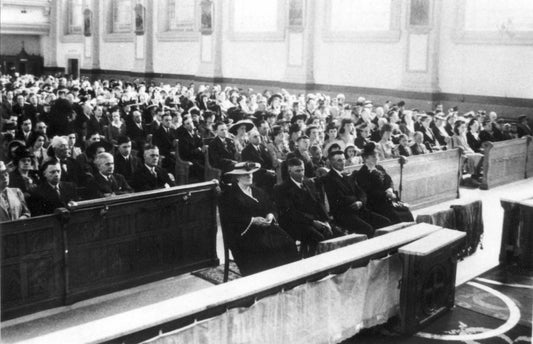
x,y
250,227
25,176
240,132
377,184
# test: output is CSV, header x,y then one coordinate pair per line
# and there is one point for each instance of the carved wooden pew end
x,y
429,268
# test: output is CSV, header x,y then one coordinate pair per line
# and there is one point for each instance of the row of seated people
x,y
307,127
62,180
261,231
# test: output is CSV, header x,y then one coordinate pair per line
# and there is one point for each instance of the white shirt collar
x,y
339,173
297,183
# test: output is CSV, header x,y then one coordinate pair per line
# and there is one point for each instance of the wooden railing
x,y
141,324
106,245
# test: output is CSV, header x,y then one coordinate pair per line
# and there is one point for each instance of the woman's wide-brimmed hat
x,y
242,168
248,123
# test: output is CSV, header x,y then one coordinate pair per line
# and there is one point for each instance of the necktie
x,y
57,190
154,173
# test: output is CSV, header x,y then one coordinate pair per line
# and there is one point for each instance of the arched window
x,y
181,15
75,17
122,16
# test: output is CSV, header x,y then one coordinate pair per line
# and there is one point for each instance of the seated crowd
x,y
67,140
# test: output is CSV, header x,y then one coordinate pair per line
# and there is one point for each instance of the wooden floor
x,y
53,320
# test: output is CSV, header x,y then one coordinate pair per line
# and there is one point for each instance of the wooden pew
x,y
166,316
210,171
504,162
181,169
431,178
517,232
106,245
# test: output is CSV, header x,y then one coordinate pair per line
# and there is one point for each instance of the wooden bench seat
x,y
147,322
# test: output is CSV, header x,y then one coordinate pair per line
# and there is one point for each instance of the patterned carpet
x,y
216,275
493,308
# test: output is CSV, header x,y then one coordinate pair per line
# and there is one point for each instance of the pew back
x,y
181,168
431,178
32,269
504,162
106,245
168,315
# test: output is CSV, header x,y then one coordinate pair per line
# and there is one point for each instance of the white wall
x,y
483,69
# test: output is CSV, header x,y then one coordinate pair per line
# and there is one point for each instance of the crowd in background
x,y
64,140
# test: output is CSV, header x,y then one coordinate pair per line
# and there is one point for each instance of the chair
x,y
181,169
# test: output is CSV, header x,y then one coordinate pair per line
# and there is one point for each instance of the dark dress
x,y
374,184
255,248
473,142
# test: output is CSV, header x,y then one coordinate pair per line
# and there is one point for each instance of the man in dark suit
x,y
33,110
222,150
439,131
347,200
301,211
257,152
25,130
163,138
107,183
125,162
12,202
522,127
71,170
190,147
135,129
302,152
429,138
52,193
149,176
